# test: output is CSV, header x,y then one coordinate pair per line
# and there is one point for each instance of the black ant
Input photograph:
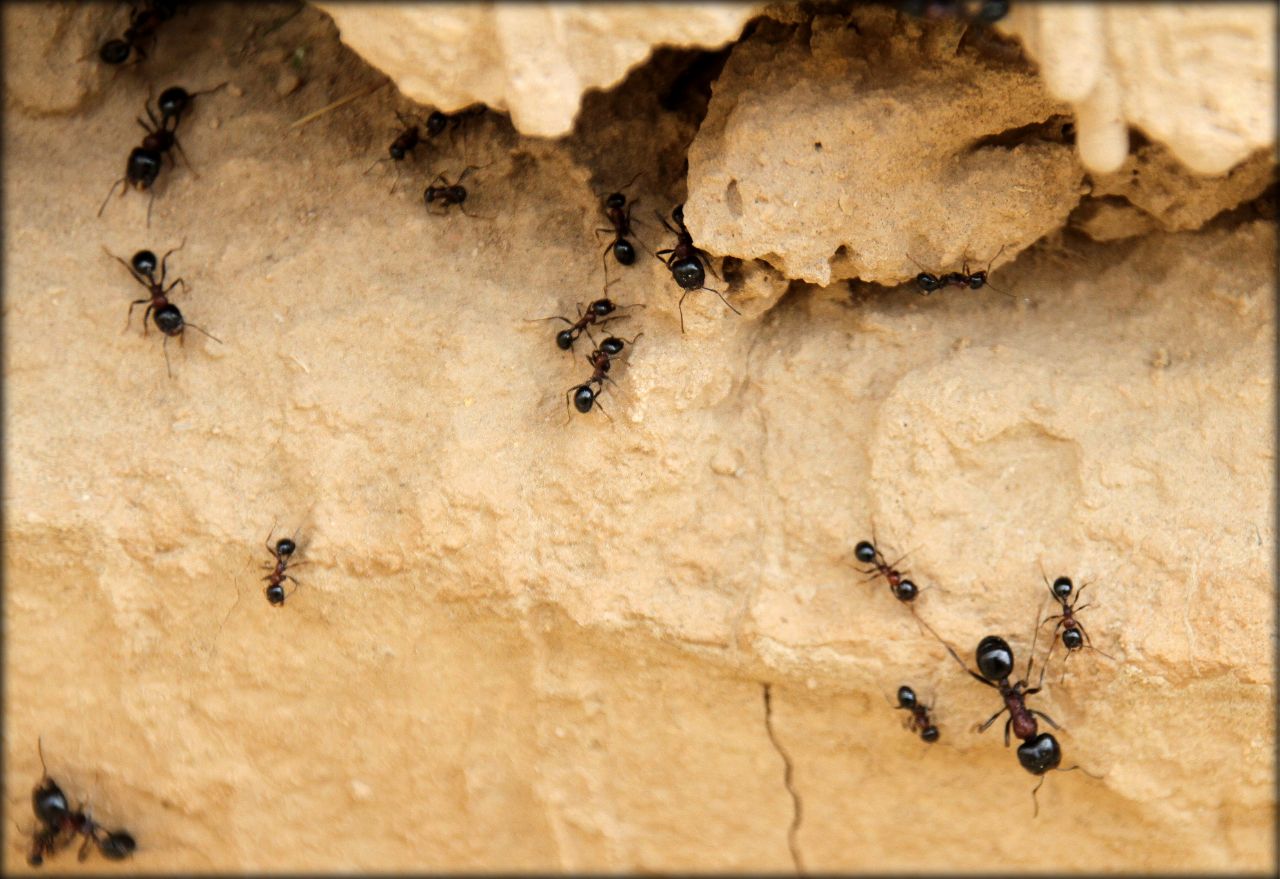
x,y
145,161
903,589
919,720
601,359
929,282
1074,636
168,319
599,312
283,552
60,822
620,225
685,262
143,24
408,138
451,193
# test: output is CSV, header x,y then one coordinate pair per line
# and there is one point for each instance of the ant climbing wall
x,y
616,499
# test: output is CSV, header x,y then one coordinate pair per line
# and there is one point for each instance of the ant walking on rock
x,y
283,552
618,212
903,589
929,282
143,24
601,359
599,312
408,138
685,261
1074,636
60,823
919,721
166,316
450,194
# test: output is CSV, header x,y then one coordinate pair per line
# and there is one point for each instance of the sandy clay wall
x,y
637,639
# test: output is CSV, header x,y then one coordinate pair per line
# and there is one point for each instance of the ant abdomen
x,y
689,273
169,320
565,339
1039,754
624,252
583,399
995,658
117,846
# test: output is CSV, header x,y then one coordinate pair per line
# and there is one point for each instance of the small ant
x,y
166,316
929,282
620,222
1074,636
143,25
598,312
584,396
903,589
685,262
919,719
408,138
450,194
283,551
59,823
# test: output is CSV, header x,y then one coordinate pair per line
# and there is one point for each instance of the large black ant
x,y
620,225
450,194
168,319
929,282
599,312
283,552
685,262
59,823
145,161
584,395
903,589
919,719
143,24
1074,636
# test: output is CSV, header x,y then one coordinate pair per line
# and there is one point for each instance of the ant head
x,y
457,194
689,273
117,846
601,307
865,552
436,123
906,591
49,803
397,151
1072,639
677,213
615,200
169,320
144,262
1062,588
906,697
173,101
995,658
612,346
1039,754
993,10
275,594
114,52
565,339
929,733
977,279
584,398
285,547
927,282
624,252
143,166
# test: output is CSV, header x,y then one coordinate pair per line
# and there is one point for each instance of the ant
x,y
166,316
174,102
929,282
143,25
685,262
59,823
145,162
620,221
919,720
408,138
598,312
283,551
451,193
903,589
601,359
1074,636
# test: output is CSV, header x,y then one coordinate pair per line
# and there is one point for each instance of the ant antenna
x,y
203,330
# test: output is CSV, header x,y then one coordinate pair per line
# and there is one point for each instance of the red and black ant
x,y
620,225
450,194
685,262
929,282
601,359
919,721
1074,636
903,589
283,552
60,823
599,312
168,319
143,24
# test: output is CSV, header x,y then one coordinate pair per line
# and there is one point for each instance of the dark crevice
x,y
788,778
1055,129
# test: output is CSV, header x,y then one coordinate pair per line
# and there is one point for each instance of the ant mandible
x,y
919,719
451,193
143,25
283,551
166,316
601,359
903,589
929,282
685,262
598,312
1074,636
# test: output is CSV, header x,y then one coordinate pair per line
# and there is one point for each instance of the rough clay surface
x,y
534,60
636,644
1199,77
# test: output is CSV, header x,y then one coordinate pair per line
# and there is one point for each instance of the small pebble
x,y
235,91
288,83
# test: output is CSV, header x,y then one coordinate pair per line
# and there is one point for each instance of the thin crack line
x,y
797,814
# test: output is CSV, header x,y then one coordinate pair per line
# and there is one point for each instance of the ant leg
x,y
992,719
146,314
176,282
464,210
1007,724
132,305
177,143
375,164
467,170
1048,653
1047,718
394,180
1036,813
681,308
164,260
706,258
110,192
167,365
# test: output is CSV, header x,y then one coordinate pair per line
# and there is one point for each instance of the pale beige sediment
x,y
525,644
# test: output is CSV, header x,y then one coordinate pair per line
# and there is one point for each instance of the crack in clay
x,y
788,773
